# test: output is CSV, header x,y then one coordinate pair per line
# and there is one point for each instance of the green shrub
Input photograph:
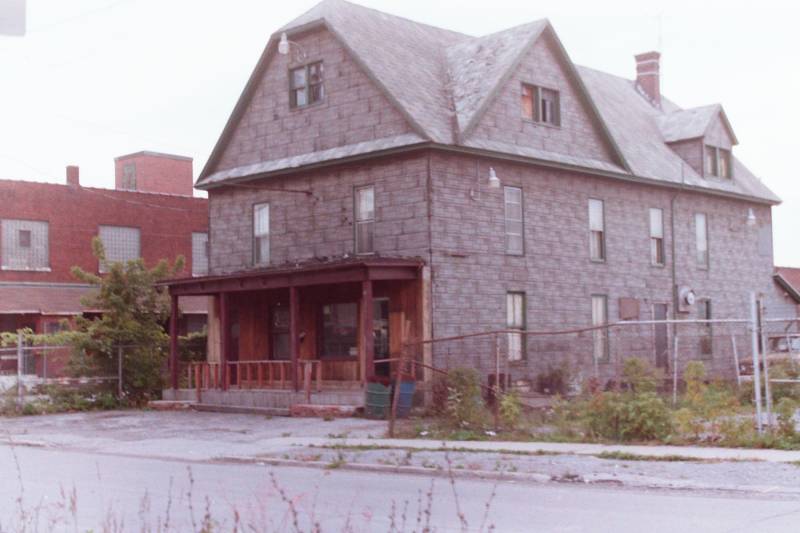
x,y
465,407
554,380
705,406
510,409
785,409
641,376
626,416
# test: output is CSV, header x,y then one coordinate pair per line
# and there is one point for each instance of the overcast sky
x,y
93,79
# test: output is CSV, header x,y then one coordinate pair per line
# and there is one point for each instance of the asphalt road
x,y
78,491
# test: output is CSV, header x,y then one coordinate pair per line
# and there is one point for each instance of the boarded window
x,y
600,336
121,244
339,330
765,241
656,236
25,245
701,239
261,234
199,254
541,105
515,240
597,233
306,85
515,319
365,219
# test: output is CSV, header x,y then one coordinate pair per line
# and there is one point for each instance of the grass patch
x,y
627,456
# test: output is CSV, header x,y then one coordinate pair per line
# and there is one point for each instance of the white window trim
x,y
358,221
521,220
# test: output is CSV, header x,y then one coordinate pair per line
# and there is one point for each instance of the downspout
x,y
675,294
429,193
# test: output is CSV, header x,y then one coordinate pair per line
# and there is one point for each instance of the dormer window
x,y
541,105
306,85
718,162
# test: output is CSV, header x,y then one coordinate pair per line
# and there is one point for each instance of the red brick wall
x,y
74,214
159,173
353,110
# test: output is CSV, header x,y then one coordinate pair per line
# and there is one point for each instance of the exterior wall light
x,y
285,44
751,217
494,181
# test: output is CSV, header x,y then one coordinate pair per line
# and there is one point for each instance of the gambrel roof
x,y
443,81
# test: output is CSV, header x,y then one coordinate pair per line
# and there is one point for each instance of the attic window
x,y
718,162
541,105
305,85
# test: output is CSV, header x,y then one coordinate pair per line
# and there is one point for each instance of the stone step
x,y
217,408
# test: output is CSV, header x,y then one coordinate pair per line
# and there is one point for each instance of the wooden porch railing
x,y
269,374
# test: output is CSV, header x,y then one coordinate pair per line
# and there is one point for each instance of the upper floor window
x,y
365,219
656,236
515,320
707,332
541,105
129,176
121,244
514,221
261,234
701,239
25,245
199,254
306,85
718,162
597,230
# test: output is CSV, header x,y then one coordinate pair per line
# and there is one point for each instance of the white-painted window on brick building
x,y
306,85
656,236
600,336
261,234
541,105
365,219
199,254
515,234
25,245
701,239
515,319
597,230
121,244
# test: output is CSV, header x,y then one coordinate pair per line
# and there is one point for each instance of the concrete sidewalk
x,y
700,453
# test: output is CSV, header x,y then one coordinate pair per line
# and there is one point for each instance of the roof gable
x,y
693,123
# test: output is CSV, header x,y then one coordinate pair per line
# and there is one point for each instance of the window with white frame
x,y
25,245
261,234
656,236
600,335
515,320
306,86
199,254
365,219
701,239
121,244
515,239
706,338
597,230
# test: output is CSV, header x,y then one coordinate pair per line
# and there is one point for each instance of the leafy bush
x,y
641,376
785,409
705,406
193,346
465,407
510,408
627,416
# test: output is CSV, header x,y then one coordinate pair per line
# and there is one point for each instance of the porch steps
x,y
218,408
305,410
170,405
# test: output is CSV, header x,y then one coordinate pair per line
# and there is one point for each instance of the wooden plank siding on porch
x,y
242,322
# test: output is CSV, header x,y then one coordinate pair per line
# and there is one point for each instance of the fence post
x,y
496,406
736,361
396,393
756,369
764,351
119,372
20,362
675,370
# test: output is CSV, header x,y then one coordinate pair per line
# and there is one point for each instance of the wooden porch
x,y
310,328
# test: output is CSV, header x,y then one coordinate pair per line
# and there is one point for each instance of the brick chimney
x,y
647,76
74,176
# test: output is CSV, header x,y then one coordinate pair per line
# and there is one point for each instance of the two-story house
x,y
382,180
47,228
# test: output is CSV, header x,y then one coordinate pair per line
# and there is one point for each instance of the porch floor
x,y
274,399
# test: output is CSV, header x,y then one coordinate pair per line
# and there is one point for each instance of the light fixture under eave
x,y
283,45
494,181
751,217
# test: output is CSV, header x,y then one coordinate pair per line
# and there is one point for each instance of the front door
x,y
661,336
380,331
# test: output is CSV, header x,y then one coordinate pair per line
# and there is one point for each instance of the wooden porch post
x,y
294,337
173,341
367,338
224,338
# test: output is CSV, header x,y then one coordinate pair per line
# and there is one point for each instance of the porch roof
x,y
314,272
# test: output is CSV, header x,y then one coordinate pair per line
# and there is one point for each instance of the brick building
x,y
47,228
382,180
